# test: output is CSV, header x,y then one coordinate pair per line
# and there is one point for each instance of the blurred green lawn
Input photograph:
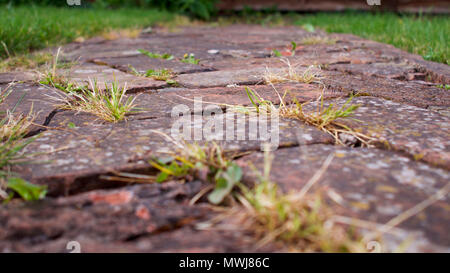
x,y
27,28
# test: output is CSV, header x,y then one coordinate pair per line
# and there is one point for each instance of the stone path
x,y
401,106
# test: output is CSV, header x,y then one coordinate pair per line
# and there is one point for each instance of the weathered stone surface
x,y
30,99
162,103
374,185
415,93
420,133
105,76
10,77
398,71
142,64
140,218
222,78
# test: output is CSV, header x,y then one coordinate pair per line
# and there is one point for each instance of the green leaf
x,y
276,53
225,183
162,176
26,190
71,125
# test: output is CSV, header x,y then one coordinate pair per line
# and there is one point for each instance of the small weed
x,y
12,142
190,59
318,40
208,163
293,48
15,127
276,53
311,74
11,154
108,104
159,75
446,86
51,78
291,52
152,55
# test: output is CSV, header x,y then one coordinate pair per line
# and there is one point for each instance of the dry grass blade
x,y
291,74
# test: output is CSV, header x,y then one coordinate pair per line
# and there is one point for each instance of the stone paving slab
x,y
10,77
83,74
374,185
401,106
415,93
140,218
142,64
72,160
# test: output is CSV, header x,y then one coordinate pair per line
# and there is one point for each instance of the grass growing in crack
x,y
108,104
311,74
300,221
53,79
324,118
165,56
291,51
208,163
318,40
11,154
4,93
159,75
190,59
12,142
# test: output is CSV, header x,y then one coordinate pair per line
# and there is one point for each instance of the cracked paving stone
x,y
71,161
372,184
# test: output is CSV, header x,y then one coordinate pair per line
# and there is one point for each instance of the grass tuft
x,y
13,130
165,56
310,75
108,104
